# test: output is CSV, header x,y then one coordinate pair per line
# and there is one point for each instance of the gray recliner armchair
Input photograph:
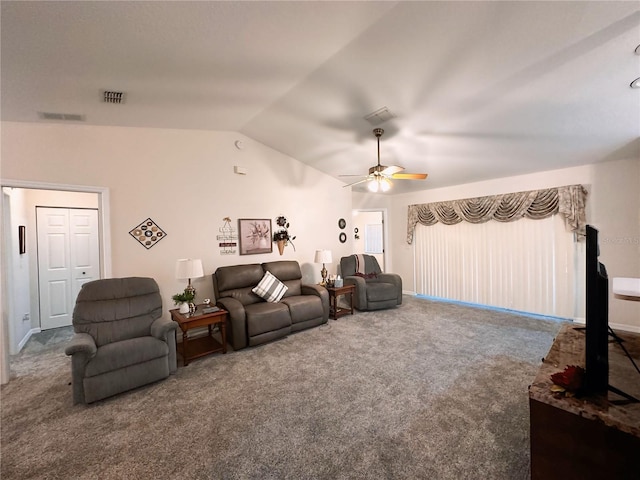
x,y
121,340
375,290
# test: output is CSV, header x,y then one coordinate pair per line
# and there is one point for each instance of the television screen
x,y
596,380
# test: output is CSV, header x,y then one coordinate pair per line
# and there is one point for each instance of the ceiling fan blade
x,y
356,183
409,176
392,169
352,175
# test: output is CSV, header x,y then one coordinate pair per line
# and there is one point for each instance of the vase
x,y
263,243
281,245
184,307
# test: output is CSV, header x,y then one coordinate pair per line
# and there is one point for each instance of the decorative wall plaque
x,y
228,238
148,233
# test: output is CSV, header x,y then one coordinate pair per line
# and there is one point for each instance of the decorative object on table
x,y
339,282
186,269
206,301
323,257
355,233
228,238
183,300
148,233
254,236
342,237
342,223
569,381
22,239
282,236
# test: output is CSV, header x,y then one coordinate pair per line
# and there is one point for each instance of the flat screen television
x,y
596,378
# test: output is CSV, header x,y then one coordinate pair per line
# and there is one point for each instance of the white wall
x,y
184,181
18,305
616,214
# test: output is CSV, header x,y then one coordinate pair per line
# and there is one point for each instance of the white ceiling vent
x,y
379,116
113,97
70,117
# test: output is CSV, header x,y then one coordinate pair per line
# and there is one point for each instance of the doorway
x,y
370,234
20,319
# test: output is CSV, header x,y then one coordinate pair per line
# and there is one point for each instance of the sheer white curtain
x,y
526,265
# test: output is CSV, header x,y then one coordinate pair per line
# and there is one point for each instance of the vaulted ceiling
x,y
478,90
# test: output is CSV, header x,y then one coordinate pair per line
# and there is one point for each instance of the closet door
x,y
68,256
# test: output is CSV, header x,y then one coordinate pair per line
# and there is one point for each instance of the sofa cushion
x,y
289,273
304,307
126,353
266,317
270,288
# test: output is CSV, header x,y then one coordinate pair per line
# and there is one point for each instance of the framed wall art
x,y
254,236
22,239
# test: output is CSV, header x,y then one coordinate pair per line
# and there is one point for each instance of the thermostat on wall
x,y
240,170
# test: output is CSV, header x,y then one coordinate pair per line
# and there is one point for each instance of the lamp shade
x,y
188,268
323,256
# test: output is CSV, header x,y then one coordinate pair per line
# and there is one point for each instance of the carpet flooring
x,y
429,390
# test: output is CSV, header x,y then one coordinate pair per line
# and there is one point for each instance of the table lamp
x,y
323,256
187,268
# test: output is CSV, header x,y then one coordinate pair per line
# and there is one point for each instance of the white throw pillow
x,y
270,288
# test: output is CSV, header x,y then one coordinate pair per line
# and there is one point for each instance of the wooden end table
x,y
335,311
200,345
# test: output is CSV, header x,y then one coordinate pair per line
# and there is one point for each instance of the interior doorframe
x,y
385,233
104,226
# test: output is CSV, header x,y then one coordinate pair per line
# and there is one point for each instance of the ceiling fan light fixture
x,y
379,184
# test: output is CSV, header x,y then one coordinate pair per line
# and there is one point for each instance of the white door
x,y
68,256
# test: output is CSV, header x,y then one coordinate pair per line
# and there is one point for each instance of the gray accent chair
x,y
121,340
252,320
376,290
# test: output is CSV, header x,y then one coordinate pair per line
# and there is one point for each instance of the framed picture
x,y
22,239
254,236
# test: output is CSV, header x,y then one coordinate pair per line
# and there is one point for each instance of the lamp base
x,y
323,272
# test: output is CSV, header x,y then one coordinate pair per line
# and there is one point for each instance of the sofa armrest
x,y
81,343
237,321
395,279
360,296
321,292
163,326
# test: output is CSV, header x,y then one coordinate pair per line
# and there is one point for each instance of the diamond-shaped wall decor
x,y
148,233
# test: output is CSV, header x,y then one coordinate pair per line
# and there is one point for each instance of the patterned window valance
x,y
536,204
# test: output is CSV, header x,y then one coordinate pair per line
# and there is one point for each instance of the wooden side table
x,y
200,345
335,311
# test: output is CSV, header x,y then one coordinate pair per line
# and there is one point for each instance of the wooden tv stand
x,y
586,438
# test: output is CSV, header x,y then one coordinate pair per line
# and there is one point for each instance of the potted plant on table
x,y
183,300
282,236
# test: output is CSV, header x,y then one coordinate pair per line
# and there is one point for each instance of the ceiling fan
x,y
380,176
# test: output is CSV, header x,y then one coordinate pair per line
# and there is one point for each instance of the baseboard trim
x,y
613,325
26,338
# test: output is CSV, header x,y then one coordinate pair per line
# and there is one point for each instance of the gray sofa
x,y
252,320
375,290
121,340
